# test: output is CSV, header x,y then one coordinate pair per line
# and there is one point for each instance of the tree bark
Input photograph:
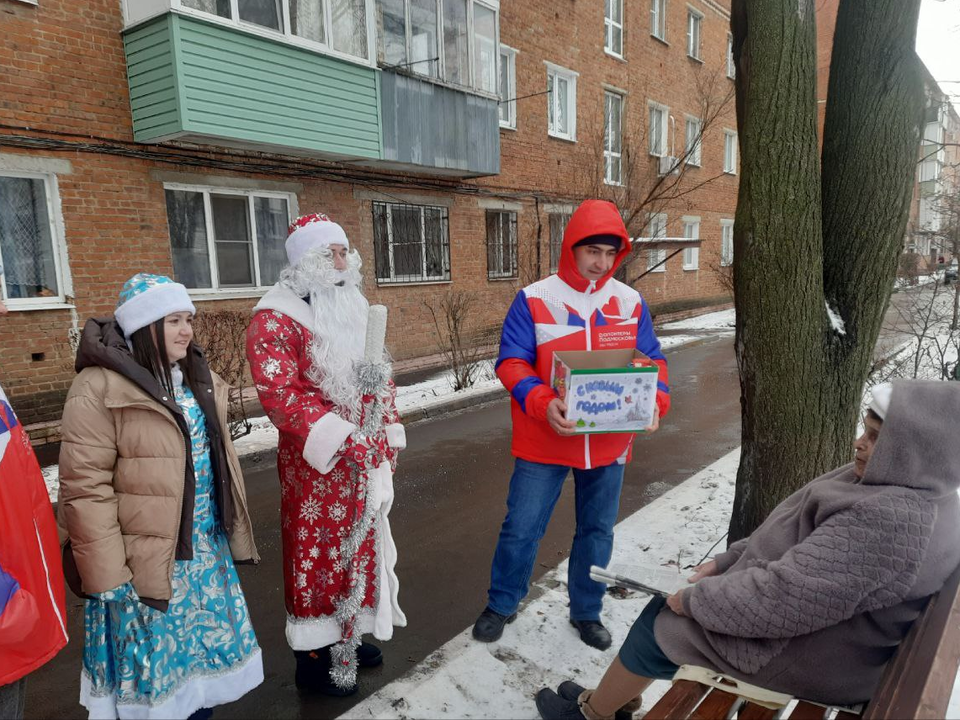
x,y
799,244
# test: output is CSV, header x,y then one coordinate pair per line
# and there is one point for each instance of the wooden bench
x,y
917,682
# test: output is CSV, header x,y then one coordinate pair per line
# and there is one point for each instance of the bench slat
x,y
808,711
715,705
755,712
680,699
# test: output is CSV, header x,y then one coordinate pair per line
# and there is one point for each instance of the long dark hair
x,y
150,351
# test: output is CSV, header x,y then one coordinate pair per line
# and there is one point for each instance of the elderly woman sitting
x,y
816,600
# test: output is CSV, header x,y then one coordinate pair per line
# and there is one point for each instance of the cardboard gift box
x,y
606,391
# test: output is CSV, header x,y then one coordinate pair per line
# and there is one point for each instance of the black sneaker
x,y
553,707
489,626
569,690
593,633
313,674
369,655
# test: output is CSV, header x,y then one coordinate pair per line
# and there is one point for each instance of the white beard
x,y
339,325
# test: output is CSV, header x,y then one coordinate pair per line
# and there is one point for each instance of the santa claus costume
x,y
338,445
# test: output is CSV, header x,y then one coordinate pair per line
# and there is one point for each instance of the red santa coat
x,y
319,477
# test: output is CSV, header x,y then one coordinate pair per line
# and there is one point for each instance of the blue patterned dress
x,y
139,662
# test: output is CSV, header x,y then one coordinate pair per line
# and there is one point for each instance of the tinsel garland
x,y
373,381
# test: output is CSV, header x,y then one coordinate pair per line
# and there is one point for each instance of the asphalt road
x,y
450,500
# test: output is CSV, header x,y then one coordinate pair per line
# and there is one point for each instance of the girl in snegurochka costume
x,y
153,504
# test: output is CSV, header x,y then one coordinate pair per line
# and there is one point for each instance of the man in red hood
x,y
580,308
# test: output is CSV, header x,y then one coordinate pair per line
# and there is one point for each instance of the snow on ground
x,y
723,320
468,679
905,283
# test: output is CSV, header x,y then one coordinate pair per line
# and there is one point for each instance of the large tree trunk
x,y
800,378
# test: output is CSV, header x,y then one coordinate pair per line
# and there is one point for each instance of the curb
x,y
435,410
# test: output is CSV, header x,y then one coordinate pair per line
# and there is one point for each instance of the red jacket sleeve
x,y
275,345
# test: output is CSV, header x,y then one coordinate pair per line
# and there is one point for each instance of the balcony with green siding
x,y
210,84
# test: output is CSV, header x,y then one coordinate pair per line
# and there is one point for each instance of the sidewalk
x,y
469,679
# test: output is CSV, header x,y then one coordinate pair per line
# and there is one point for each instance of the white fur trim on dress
x,y
284,300
325,441
396,436
204,691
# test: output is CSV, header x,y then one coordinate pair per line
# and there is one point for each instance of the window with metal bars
x,y
31,271
558,226
501,244
411,243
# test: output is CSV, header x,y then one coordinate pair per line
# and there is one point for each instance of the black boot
x,y
569,690
313,673
489,626
369,655
202,714
593,633
553,707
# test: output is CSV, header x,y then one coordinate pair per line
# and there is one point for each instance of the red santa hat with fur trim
x,y
308,232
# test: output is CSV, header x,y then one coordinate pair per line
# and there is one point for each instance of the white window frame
x,y
694,34
61,262
608,154
930,168
509,55
658,19
609,25
691,231
286,35
726,242
731,65
494,6
664,112
557,72
215,291
693,155
730,150
657,228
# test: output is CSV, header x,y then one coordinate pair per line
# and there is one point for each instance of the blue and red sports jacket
x,y
32,613
567,312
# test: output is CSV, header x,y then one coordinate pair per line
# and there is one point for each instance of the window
x,y
411,243
694,21
730,152
657,228
456,50
501,244
558,226
929,169
485,49
659,117
731,65
933,132
508,87
338,25
726,243
30,245
562,102
456,40
658,19
691,255
613,138
613,27
691,149
227,239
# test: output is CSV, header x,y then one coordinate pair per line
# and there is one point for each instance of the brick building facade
x,y
97,182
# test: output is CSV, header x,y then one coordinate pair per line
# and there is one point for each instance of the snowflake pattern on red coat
x,y
317,511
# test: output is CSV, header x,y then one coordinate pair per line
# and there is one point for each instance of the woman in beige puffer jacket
x,y
152,506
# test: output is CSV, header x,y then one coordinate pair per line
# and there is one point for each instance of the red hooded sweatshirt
x,y
568,312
